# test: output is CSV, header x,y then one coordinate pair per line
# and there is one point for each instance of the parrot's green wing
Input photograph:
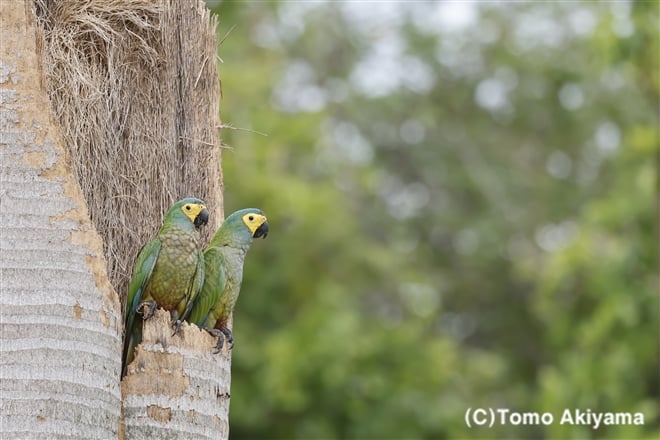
x,y
215,281
195,288
144,266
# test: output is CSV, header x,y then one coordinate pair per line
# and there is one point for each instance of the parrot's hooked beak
x,y
262,231
202,218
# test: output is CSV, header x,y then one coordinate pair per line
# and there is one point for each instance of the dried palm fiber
x,y
134,85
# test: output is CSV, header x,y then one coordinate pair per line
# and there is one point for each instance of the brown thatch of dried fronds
x,y
135,87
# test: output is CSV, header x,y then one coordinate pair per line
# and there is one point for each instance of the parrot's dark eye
x,y
251,217
187,207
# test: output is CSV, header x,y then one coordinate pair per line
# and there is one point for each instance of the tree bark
x,y
60,319
176,387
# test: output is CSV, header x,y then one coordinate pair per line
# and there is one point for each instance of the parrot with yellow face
x,y
223,264
168,272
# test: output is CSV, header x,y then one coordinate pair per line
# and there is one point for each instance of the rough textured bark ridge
x,y
176,387
60,320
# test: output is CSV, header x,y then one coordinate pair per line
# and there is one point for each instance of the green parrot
x,y
168,272
223,264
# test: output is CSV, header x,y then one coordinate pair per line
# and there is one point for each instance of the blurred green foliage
x,y
461,199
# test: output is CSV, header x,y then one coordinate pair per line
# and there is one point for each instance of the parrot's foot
x,y
147,308
177,326
228,336
222,334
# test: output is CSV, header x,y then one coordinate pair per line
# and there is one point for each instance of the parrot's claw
x,y
228,335
177,326
147,308
219,344
222,334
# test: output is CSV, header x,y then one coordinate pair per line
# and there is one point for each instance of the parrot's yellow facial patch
x,y
192,210
254,221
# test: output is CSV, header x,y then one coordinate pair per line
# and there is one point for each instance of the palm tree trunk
x,y
60,320
176,387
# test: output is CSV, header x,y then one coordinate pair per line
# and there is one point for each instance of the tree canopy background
x,y
462,206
